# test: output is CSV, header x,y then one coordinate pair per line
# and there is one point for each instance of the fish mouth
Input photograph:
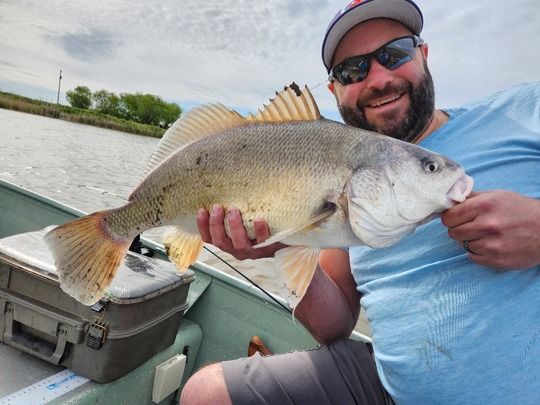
x,y
461,189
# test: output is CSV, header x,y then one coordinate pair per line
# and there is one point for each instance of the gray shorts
x,y
341,373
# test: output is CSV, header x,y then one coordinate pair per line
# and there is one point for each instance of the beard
x,y
406,128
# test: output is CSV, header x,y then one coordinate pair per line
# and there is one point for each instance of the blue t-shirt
x,y
446,330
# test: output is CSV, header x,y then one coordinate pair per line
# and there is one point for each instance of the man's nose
x,y
378,76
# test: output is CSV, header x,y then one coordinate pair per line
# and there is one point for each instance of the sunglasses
x,y
391,55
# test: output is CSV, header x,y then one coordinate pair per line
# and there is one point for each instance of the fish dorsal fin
x,y
198,123
291,104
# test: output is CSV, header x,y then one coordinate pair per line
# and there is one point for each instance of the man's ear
x,y
330,86
425,50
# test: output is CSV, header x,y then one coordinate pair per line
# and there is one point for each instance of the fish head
x,y
399,188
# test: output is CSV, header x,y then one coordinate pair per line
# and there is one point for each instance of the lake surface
x,y
90,169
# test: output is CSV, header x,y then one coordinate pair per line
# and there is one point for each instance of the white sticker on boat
x,y
46,390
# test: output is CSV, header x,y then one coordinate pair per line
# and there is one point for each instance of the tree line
x,y
138,107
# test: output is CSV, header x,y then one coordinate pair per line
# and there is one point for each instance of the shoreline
x,y
14,102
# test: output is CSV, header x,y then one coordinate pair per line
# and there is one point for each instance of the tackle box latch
x,y
97,331
96,335
99,306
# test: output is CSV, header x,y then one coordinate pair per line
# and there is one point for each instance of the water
x,y
90,169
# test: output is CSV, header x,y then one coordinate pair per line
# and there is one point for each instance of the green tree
x,y
171,113
149,109
107,102
80,97
129,106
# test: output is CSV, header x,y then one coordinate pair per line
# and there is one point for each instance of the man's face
x,y
399,103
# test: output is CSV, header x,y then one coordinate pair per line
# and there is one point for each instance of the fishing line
x,y
249,280
314,87
102,191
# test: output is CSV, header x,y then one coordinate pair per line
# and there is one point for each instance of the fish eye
x,y
430,166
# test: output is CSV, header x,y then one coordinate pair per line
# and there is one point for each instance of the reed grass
x,y
15,102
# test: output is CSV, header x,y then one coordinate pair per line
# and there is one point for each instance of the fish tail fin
x,y
295,267
182,248
87,255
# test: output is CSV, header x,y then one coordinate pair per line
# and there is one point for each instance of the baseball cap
x,y
357,11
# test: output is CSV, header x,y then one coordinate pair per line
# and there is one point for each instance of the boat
x,y
226,317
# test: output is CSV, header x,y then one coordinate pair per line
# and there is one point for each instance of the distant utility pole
x,y
59,81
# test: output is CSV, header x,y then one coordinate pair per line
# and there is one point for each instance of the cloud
x,y
90,46
239,51
473,51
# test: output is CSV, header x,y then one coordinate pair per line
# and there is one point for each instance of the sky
x,y
239,52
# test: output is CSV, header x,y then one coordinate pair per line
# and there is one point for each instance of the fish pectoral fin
x,y
182,248
279,236
87,255
294,267
291,104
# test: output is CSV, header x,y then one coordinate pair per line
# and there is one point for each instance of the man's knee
x,y
206,386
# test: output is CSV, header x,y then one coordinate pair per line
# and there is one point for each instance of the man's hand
x,y
212,230
331,305
502,229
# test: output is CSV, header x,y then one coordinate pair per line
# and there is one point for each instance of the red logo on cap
x,y
354,3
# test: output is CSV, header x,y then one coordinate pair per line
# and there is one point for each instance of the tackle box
x,y
137,318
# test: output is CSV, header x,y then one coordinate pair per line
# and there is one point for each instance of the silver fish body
x,y
318,184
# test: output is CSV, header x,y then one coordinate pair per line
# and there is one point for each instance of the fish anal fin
x,y
294,267
198,123
182,248
86,256
291,104
279,236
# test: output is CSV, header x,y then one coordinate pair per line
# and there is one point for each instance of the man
x,y
452,322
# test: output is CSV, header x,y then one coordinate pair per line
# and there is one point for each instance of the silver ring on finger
x,y
467,248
